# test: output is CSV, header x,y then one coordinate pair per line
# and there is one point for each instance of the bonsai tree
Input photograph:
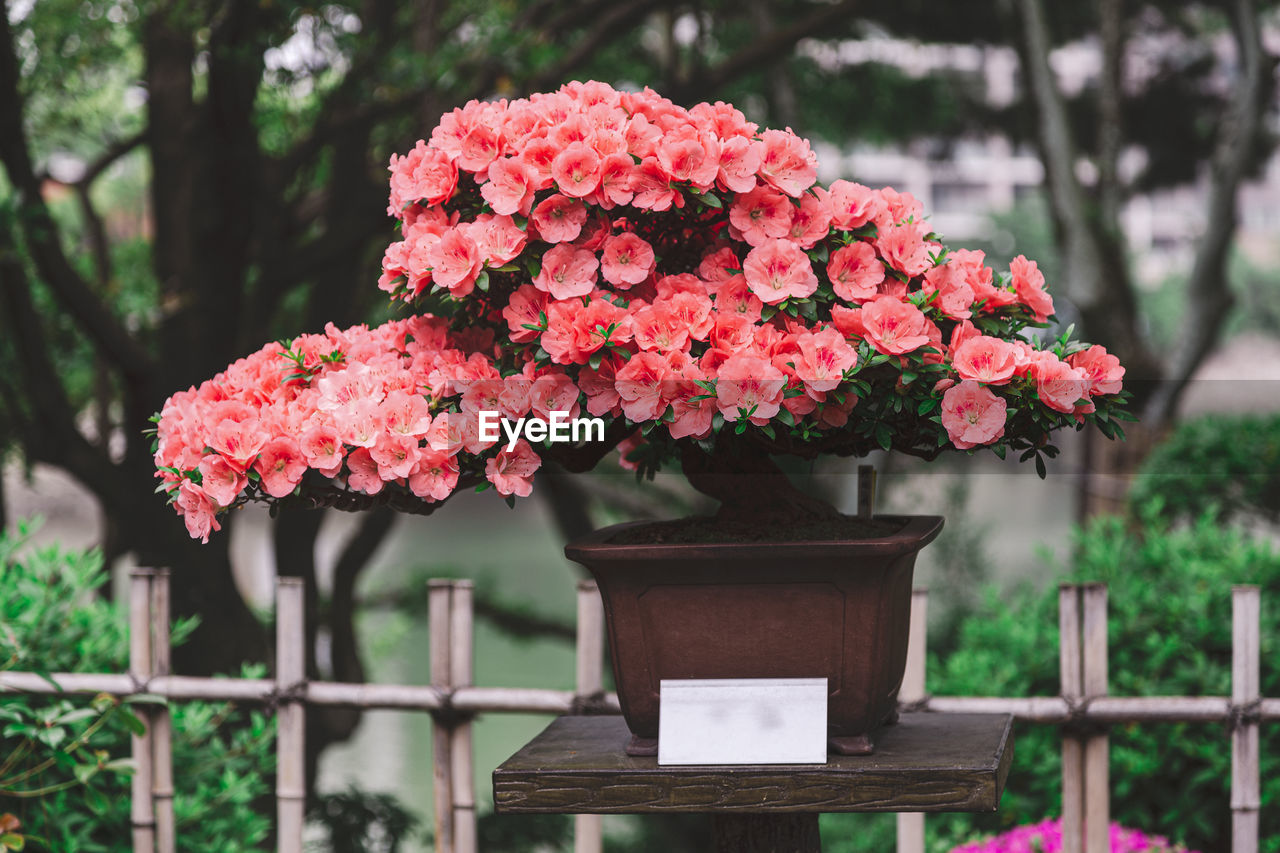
x,y
674,273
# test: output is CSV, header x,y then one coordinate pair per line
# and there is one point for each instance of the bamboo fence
x,y
1083,709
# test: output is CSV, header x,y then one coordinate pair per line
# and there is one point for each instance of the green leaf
x,y
12,841
132,723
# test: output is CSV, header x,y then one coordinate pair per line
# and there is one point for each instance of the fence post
x,y
588,830
1245,693
1097,749
461,669
439,613
911,824
161,721
1071,678
291,720
142,810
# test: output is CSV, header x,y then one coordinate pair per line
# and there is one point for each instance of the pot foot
x,y
852,745
642,747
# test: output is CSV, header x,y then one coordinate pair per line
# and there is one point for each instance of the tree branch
x,y
620,17
762,52
50,431
109,156
41,233
1209,293
1110,113
1083,255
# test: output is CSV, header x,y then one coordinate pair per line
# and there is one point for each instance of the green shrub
x,y
1229,463
52,620
1169,630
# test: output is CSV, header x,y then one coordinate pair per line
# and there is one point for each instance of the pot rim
x,y
916,532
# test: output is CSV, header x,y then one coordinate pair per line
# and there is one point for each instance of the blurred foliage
x,y
1227,464
52,620
550,833
357,821
1170,635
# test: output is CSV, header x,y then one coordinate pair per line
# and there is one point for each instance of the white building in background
x,y
962,183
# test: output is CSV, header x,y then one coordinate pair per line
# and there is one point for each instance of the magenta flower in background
x,y
1046,837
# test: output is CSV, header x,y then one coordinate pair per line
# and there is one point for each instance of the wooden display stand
x,y
925,763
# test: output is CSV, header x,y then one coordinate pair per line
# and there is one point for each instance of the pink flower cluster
x,y
677,268
1046,837
364,407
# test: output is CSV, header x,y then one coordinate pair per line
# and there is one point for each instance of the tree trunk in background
x,y
1097,276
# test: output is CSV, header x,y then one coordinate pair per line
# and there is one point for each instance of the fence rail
x,y
453,700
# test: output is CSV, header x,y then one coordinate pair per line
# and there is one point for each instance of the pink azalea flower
x,y
567,271
220,481
1028,284
559,219
239,442
522,310
719,266
362,473
811,221
1102,369
1058,385
892,326
777,270
749,386
853,205
899,207
508,189
656,328
904,247
538,155
479,148
740,159
498,239
855,272
761,215
617,179
788,164
511,471
600,389
455,262
576,170
281,466
626,260
435,476
985,359
955,296
424,174
198,512
322,448
687,155
734,296
554,392
653,190
823,359
972,415
640,386
396,455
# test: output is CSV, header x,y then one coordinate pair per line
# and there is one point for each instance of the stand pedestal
x,y
926,763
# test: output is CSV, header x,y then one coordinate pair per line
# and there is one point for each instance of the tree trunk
x,y
751,488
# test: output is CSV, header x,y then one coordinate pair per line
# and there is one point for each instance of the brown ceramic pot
x,y
834,609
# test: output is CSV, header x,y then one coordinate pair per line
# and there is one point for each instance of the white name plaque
x,y
743,721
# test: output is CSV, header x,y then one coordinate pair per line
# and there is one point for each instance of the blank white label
x,y
743,721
